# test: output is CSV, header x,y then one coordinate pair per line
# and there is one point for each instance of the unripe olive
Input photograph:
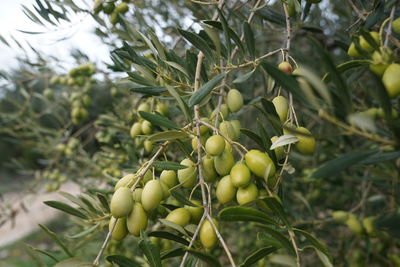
x,y
227,130
162,109
179,216
234,100
209,172
169,178
151,195
86,100
113,18
285,67
121,202
306,144
148,176
240,175
279,152
148,146
203,139
204,129
369,225
122,8
208,236
281,106
48,93
143,107
224,162
380,60
108,7
120,230
236,129
137,195
391,80
225,191
165,190
187,177
396,26
352,51
247,194
366,46
136,129
340,216
137,220
258,162
215,145
354,224
224,111
124,181
195,212
147,128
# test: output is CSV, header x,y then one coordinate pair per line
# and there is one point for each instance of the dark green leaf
x,y
158,120
73,262
257,255
205,90
149,90
168,165
381,157
150,250
348,66
333,167
181,103
179,195
169,236
277,209
174,226
56,239
266,139
167,136
198,42
253,136
315,242
281,238
244,77
44,253
272,116
245,214
122,261
175,252
389,223
138,78
249,39
206,257
104,202
66,208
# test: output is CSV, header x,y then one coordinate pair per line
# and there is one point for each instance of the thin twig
x,y
358,12
389,29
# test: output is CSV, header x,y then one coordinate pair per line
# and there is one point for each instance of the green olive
x,y
227,130
169,178
122,8
366,46
224,111
136,129
279,152
147,128
209,172
124,181
143,107
203,139
137,220
120,230
340,216
225,191
179,216
215,145
187,177
224,162
234,100
352,51
369,225
113,18
152,195
240,175
247,194
137,195
207,234
285,67
195,212
148,146
162,109
281,107
354,224
258,162
121,202
165,190
204,129
396,26
391,80
306,143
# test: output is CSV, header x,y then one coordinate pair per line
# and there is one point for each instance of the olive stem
x,y
104,245
358,12
389,29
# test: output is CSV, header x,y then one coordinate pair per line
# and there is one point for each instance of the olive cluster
x,y
112,8
54,179
382,61
365,226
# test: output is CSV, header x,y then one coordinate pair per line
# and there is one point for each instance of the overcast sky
x,y
80,29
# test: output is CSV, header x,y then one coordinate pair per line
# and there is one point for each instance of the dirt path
x,y
27,222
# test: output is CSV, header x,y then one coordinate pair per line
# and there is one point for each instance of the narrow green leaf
x,y
169,236
272,116
182,104
73,262
381,157
158,120
174,226
168,165
44,253
266,139
257,255
150,250
66,208
333,167
138,78
347,66
244,77
284,140
315,242
175,252
277,209
104,202
205,90
84,233
167,136
389,223
56,239
245,214
281,238
206,257
122,261
180,196
149,90
198,42
249,39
